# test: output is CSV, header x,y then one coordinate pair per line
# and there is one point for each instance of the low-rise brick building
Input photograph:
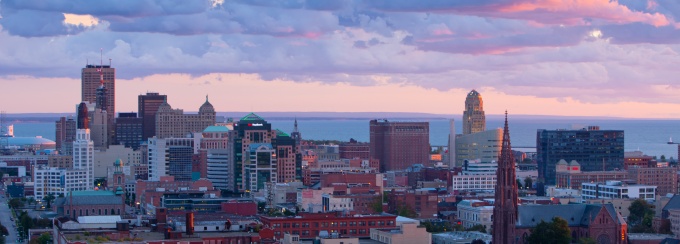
x,y
308,225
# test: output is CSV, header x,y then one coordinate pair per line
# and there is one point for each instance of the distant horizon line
x,y
355,115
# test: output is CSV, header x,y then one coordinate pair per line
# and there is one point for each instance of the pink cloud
x,y
574,11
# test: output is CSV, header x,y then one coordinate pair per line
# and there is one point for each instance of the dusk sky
x,y
543,57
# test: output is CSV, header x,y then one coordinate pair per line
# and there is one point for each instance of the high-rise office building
x,y
129,130
101,79
83,121
215,142
399,145
175,123
505,203
271,149
147,107
474,119
484,146
594,149
171,157
452,143
83,157
65,135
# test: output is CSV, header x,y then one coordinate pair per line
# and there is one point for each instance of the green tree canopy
x,y
641,215
48,199
480,228
554,232
528,182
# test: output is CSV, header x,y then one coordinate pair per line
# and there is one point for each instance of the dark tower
x,y
83,120
296,134
148,106
101,97
505,205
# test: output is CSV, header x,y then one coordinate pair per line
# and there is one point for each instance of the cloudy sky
x,y
551,57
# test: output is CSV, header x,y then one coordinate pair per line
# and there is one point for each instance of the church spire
x,y
505,204
295,128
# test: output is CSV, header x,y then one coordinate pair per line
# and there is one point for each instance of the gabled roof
x,y
574,214
252,116
88,200
674,203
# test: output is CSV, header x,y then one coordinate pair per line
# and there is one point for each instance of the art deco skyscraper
x,y
94,77
473,117
505,204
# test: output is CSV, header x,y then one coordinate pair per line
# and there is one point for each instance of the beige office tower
x,y
174,123
473,117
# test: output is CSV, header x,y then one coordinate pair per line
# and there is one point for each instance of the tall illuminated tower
x,y
474,119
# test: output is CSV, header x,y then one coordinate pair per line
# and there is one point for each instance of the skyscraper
x,y
474,119
94,77
83,156
399,145
83,121
65,135
505,204
594,149
452,143
147,107
261,154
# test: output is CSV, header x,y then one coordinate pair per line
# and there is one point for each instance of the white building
x,y
475,212
58,181
159,155
219,168
83,156
331,203
617,189
309,200
473,182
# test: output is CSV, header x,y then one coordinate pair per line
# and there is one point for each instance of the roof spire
x,y
295,128
206,97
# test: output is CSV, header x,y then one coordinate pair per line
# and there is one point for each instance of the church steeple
x,y
505,205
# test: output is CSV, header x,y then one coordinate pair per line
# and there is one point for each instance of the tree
x,y
519,184
641,215
406,211
480,228
48,199
587,240
528,182
554,232
438,226
43,239
377,205
15,203
663,158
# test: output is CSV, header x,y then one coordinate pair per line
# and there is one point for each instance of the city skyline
x,y
571,58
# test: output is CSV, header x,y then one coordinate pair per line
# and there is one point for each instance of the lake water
x,y
648,136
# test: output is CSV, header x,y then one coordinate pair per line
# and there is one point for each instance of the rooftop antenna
x,y
101,66
109,62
